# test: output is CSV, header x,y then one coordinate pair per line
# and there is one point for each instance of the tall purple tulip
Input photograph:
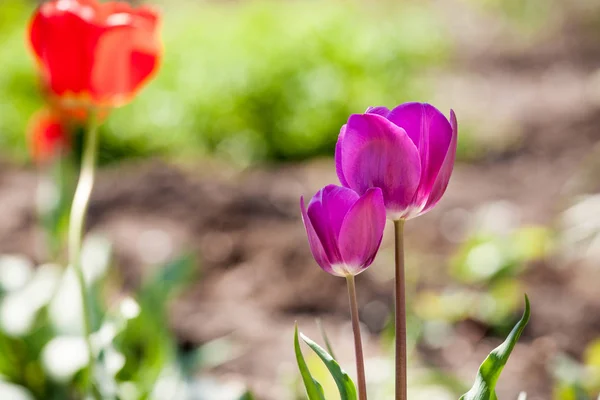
x,y
344,229
408,152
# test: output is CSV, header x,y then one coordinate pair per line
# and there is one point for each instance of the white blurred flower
x,y
19,308
15,272
64,356
105,335
95,257
129,308
66,310
114,361
13,392
17,315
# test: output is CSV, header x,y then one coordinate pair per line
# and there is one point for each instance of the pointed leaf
x,y
489,371
314,390
326,338
156,291
345,385
170,277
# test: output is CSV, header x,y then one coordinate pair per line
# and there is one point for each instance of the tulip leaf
x,y
314,390
489,371
326,339
344,383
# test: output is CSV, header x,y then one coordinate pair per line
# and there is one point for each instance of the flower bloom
x,y
48,137
92,53
344,229
408,152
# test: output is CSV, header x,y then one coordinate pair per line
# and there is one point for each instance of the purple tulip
x,y
344,229
408,152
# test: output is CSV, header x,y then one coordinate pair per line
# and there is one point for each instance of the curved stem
x,y
360,362
400,318
76,223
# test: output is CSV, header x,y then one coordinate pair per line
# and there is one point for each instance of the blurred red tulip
x,y
92,53
48,137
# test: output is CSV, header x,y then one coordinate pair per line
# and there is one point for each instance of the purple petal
x,y
326,211
362,231
313,241
431,132
441,182
383,111
377,153
338,157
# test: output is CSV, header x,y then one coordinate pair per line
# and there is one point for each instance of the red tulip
x,y
92,53
48,137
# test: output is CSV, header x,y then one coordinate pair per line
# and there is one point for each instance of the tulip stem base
x,y
400,314
76,224
360,362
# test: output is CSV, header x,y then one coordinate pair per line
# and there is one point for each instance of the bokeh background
x,y
211,159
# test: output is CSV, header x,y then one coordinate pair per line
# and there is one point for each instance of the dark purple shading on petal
x,y
338,157
383,111
313,241
377,153
441,182
431,132
326,211
362,231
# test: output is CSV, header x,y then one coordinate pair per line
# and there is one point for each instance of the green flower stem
x,y
360,362
76,223
400,319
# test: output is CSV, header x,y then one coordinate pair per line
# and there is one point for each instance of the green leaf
x,y
344,383
569,391
314,390
156,291
175,274
489,371
326,338
247,396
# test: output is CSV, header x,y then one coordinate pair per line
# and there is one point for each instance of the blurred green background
x,y
247,81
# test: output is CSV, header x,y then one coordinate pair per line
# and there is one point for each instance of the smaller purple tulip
x,y
408,152
344,229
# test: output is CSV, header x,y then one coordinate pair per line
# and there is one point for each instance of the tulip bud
x,y
47,136
344,229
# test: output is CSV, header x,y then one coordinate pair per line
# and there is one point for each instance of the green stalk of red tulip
x,y
92,56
